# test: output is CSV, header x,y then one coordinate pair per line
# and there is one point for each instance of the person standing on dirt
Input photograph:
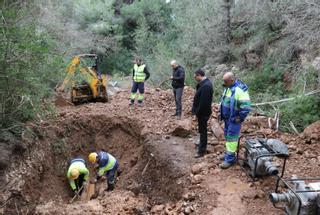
x,y
140,74
78,175
234,108
201,109
178,76
107,165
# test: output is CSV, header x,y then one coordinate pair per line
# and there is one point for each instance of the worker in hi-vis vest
x,y
140,74
77,175
234,108
107,165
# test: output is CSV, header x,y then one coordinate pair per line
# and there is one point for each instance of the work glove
x,y
84,184
98,178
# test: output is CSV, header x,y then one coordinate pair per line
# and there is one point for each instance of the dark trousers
x,y
177,92
79,182
111,174
137,86
203,130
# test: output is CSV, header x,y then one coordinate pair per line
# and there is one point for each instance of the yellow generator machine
x,y
86,84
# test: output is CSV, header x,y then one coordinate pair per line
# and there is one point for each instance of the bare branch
x,y
286,100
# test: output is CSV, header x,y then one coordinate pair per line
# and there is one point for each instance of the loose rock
x,y
197,168
183,128
157,208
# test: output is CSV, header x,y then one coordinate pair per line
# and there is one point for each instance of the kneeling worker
x,y
78,175
108,166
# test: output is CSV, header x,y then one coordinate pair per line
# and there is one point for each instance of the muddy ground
x,y
160,175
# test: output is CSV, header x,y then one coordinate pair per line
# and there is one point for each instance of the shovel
x,y
76,195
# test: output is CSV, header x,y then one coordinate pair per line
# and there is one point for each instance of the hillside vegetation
x,y
271,45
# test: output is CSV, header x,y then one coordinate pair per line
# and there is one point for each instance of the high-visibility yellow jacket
x,y
235,102
79,164
106,162
140,73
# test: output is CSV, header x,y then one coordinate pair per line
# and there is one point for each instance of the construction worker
x,y
234,108
78,175
140,74
178,76
107,165
202,109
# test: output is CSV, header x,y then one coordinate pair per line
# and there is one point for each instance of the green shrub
x,y
301,112
118,62
29,69
265,81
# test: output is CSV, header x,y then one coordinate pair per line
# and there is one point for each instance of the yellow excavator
x,y
87,85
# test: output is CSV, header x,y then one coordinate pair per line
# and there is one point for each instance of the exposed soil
x,y
159,173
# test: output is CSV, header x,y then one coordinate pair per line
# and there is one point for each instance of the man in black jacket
x,y
202,108
177,78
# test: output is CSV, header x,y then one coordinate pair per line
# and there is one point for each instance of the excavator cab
x,y
87,83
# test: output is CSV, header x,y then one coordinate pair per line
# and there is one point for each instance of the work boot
x,y
177,116
140,103
225,165
229,160
221,157
198,155
110,187
131,102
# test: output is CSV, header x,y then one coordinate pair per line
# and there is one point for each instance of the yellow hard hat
x,y
93,157
74,173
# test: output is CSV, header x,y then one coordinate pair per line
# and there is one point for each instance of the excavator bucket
x,y
60,101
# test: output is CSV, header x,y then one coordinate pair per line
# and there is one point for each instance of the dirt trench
x,y
47,163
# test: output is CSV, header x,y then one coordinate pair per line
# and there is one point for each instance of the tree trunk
x,y
117,6
228,31
228,20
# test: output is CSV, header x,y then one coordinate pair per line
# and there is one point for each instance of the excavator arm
x,y
71,69
86,84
